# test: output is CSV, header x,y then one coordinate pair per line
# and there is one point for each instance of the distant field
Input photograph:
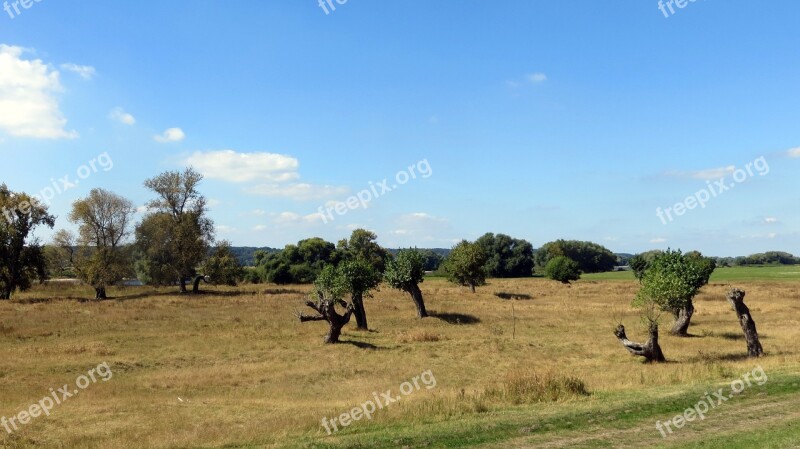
x,y
722,275
234,369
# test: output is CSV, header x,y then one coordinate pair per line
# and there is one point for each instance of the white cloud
x,y
118,114
298,191
84,71
658,240
260,228
291,218
794,152
28,105
170,135
259,212
229,165
705,175
537,77
224,229
770,220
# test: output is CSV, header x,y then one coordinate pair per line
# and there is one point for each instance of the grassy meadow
x,y
233,368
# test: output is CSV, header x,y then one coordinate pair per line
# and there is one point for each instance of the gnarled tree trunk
x,y
359,312
327,312
416,295
100,293
651,350
736,298
683,316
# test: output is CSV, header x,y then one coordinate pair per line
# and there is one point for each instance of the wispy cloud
x,y
794,152
170,135
118,114
84,71
705,175
298,191
536,78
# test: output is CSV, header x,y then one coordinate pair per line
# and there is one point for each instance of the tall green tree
x,y
363,245
507,257
361,278
465,265
98,256
22,258
175,238
590,257
405,272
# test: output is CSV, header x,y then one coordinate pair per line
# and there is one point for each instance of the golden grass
x,y
235,367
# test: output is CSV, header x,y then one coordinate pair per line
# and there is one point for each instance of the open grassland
x,y
233,368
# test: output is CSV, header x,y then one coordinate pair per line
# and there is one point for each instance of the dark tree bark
x,y
736,298
327,312
683,316
100,293
359,312
196,285
5,294
183,285
472,287
416,296
651,350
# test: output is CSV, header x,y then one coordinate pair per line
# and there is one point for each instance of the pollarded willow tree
x,y
98,256
330,289
22,259
360,279
673,279
405,272
466,265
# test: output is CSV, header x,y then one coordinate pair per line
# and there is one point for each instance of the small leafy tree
x,y
363,245
330,288
562,269
222,267
671,282
405,272
361,278
22,259
466,265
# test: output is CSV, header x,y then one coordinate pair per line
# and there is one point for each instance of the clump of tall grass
x,y
523,387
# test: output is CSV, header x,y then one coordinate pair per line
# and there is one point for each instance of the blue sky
x,y
539,119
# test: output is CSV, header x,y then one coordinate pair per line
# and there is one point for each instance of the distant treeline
x,y
768,258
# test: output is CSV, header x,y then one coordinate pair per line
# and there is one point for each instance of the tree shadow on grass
x,y
506,296
456,318
361,345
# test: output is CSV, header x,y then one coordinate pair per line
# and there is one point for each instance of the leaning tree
x,y
330,289
736,298
405,272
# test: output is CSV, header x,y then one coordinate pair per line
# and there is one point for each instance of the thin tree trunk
x,y
183,285
359,312
736,298
683,316
416,296
472,287
651,350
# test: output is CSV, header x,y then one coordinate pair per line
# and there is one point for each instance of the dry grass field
x,y
234,368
